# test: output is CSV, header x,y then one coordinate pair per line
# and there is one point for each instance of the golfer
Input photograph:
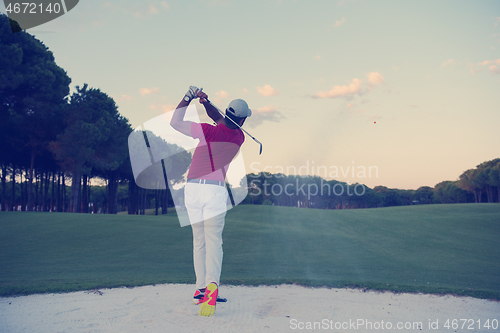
x,y
205,192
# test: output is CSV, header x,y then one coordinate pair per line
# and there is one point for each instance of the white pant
x,y
206,206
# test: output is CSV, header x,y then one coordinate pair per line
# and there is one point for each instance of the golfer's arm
x,y
213,113
178,122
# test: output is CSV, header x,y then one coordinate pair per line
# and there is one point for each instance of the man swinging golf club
x,y
205,191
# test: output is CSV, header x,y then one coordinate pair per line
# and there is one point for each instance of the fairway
x,y
428,248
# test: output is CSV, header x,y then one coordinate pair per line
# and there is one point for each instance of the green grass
x,y
432,249
151,211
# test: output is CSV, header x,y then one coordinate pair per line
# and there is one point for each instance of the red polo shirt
x,y
217,147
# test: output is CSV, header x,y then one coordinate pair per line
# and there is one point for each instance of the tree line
x,y
51,139
480,184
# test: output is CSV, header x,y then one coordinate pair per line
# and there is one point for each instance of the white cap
x,y
239,108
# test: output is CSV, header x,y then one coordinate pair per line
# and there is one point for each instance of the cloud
x,y
375,78
265,110
488,62
138,15
165,5
153,9
265,113
360,113
492,66
143,11
215,2
341,91
355,87
127,98
220,97
447,63
497,20
168,107
164,108
472,69
494,69
267,90
338,23
318,57
222,94
352,108
147,91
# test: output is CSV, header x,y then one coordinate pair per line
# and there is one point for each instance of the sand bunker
x,y
286,308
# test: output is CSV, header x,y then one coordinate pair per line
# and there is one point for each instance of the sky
x,y
403,93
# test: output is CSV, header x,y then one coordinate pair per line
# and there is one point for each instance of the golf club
x,y
254,139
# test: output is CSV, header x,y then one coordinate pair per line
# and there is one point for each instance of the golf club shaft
x,y
260,152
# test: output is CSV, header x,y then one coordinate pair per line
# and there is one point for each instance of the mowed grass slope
x,y
432,248
50,252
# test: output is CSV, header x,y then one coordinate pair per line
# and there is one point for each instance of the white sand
x,y
169,308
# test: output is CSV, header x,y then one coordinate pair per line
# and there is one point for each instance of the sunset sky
x,y
409,88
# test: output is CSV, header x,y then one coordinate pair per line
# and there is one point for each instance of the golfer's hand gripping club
x,y
192,93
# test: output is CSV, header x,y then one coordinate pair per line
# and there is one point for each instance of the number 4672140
x,y
470,324
32,8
